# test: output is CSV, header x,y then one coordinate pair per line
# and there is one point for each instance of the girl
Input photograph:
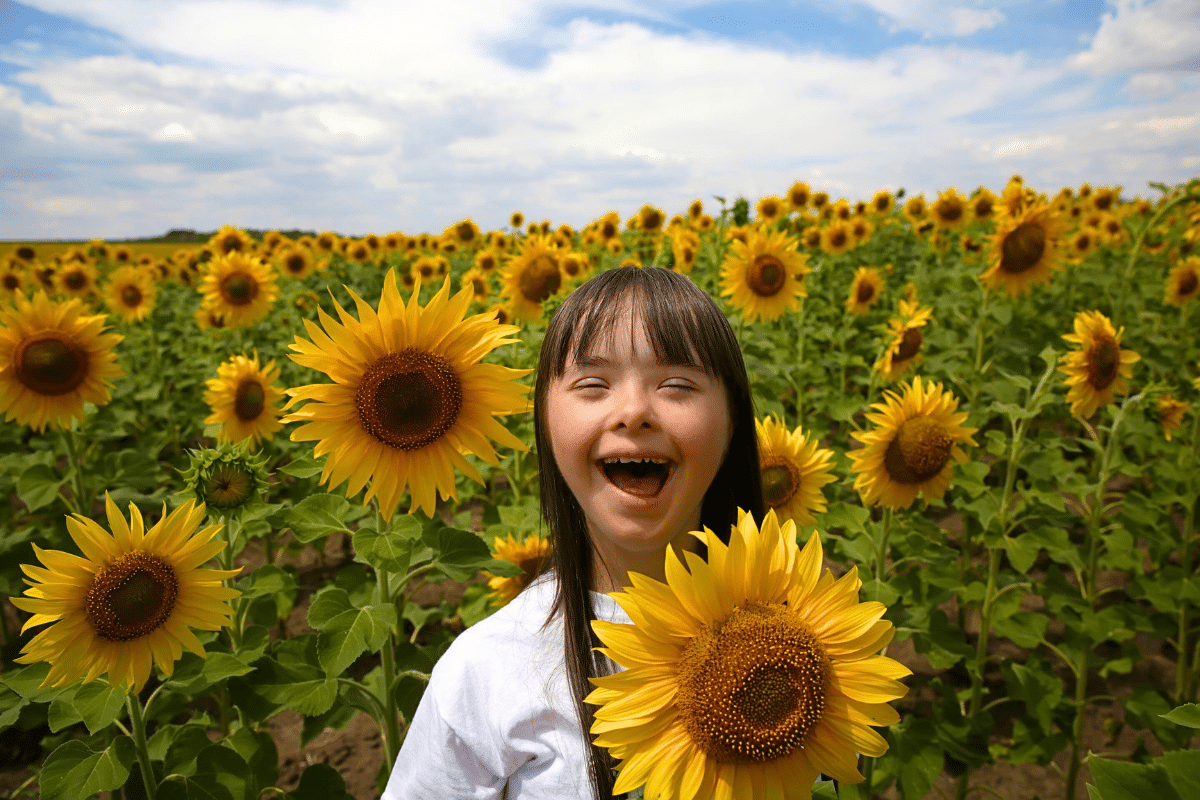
x,y
636,364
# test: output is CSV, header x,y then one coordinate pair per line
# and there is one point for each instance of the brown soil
x,y
357,751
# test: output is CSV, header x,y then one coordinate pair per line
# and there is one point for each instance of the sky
x,y
126,118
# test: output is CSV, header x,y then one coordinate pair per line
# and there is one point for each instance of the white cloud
x,y
174,132
934,18
1162,35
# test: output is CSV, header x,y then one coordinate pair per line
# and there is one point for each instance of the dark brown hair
x,y
680,320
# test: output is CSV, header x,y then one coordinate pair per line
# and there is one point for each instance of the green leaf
x,y
1119,780
188,787
920,758
1026,629
328,604
317,516
1187,714
305,467
38,486
351,634
462,554
842,515
823,790
11,704
267,580
98,705
320,782
258,750
74,770
228,768
1183,768
187,743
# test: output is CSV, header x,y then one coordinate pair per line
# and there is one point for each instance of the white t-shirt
x,y
498,715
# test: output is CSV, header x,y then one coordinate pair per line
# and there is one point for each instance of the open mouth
x,y
639,478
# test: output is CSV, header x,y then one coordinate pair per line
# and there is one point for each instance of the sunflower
x,y
129,293
486,261
240,288
861,229
765,275
769,209
1025,249
794,468
53,359
865,290
649,218
409,396
244,400
575,266
983,204
295,261
532,276
685,247
1106,198
228,479
1183,283
904,351
1170,414
915,210
1099,368
747,675
230,240
529,555
798,196
516,220
949,211
129,602
911,450
1080,244
208,319
837,237
77,278
327,242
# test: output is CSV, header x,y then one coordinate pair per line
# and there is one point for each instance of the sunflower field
x,y
273,474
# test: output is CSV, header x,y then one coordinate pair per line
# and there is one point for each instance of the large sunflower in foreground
x,y
531,276
129,293
528,555
240,288
1025,249
764,276
244,400
129,602
794,468
747,675
53,359
409,396
1099,368
904,350
909,452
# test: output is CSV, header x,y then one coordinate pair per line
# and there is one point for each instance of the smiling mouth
x,y
643,479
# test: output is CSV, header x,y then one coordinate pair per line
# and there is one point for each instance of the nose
x,y
632,409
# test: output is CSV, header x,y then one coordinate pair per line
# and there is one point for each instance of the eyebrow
x,y
601,361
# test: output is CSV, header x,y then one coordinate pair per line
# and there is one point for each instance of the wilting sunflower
x,y
910,451
528,555
1025,249
244,400
129,602
129,293
765,275
53,359
295,262
864,290
409,396
240,288
747,676
1170,414
532,276
230,240
1183,282
77,278
1098,370
794,468
904,350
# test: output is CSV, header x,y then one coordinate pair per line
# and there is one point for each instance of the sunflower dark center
x,y
540,279
131,296
651,220
239,289
11,282
232,244
918,452
780,481
1103,363
51,365
837,238
75,280
478,287
766,275
487,263
26,253
865,293
950,210
248,401
295,263
228,486
753,687
409,399
465,232
1023,248
770,210
1188,284
910,344
883,203
132,597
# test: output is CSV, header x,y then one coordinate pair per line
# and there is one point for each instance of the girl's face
x,y
621,403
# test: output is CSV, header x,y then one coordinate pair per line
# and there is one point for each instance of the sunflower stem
x,y
138,724
881,559
390,724
77,505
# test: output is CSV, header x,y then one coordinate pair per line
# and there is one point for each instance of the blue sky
x,y
124,118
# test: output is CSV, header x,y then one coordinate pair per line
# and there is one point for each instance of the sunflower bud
x,y
227,479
